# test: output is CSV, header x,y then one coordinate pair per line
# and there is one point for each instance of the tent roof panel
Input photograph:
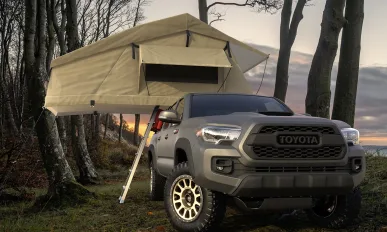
x,y
106,73
150,31
188,56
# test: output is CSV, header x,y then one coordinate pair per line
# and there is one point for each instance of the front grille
x,y
240,169
325,152
302,169
320,129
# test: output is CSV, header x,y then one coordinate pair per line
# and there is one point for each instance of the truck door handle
x,y
166,137
159,138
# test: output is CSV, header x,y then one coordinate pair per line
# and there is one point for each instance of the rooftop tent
x,y
151,64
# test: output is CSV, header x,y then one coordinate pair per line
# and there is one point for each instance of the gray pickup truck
x,y
257,153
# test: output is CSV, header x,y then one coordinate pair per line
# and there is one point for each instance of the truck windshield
x,y
222,104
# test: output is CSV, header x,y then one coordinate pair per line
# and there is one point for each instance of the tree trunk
x,y
59,28
87,171
50,35
62,132
136,127
12,127
281,82
50,53
62,187
1,122
120,129
10,119
203,10
92,125
97,127
348,73
317,102
106,125
287,37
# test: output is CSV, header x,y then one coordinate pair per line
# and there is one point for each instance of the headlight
x,y
351,135
217,134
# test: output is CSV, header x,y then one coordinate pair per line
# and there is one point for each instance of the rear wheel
x,y
157,183
189,206
336,212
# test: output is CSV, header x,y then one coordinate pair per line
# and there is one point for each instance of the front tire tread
x,y
213,210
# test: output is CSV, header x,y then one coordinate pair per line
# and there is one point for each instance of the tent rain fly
x,y
151,64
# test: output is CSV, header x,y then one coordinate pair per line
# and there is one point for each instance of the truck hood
x,y
245,119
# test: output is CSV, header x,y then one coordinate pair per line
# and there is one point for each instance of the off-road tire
x,y
345,213
212,210
157,183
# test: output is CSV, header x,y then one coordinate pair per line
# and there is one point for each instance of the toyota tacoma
x,y
253,151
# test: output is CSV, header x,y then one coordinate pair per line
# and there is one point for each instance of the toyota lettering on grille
x,y
298,139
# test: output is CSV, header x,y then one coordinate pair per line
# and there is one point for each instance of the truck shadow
x,y
268,223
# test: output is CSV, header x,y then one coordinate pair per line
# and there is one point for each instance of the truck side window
x,y
180,108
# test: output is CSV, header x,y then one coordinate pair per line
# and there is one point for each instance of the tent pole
x,y
263,75
138,156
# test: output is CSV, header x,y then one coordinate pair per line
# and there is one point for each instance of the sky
x,y
261,30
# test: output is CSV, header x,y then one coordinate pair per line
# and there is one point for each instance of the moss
x,y
66,194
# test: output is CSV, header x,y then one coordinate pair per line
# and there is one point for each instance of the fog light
x,y
220,168
222,165
356,165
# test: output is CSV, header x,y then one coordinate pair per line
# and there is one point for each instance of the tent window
x,y
181,73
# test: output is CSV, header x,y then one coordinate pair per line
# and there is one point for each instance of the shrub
x,y
112,155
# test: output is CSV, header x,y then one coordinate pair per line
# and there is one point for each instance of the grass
x,y
139,214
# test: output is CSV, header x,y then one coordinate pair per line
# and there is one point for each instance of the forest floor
x,y
104,213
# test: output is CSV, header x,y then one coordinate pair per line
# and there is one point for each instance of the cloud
x,y
371,108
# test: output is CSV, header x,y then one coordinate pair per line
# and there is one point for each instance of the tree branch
x,y
218,17
285,21
270,6
297,17
247,3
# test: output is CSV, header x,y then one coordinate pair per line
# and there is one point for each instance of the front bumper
x,y
252,178
295,185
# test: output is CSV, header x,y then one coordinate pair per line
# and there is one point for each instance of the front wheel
x,y
190,207
336,212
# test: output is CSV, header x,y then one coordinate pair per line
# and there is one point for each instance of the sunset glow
x,y
364,140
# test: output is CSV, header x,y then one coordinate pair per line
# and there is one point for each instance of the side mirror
x,y
169,116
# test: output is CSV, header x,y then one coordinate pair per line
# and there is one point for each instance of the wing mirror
x,y
169,116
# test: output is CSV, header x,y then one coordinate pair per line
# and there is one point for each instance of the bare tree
x,y
120,129
60,29
60,176
88,173
136,127
100,18
10,12
106,125
317,102
287,37
55,12
348,73
270,6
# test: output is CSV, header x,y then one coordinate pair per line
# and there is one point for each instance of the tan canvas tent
x,y
151,64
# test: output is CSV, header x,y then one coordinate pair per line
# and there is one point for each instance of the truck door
x,y
166,143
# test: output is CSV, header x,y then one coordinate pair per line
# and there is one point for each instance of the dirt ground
x,y
139,214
